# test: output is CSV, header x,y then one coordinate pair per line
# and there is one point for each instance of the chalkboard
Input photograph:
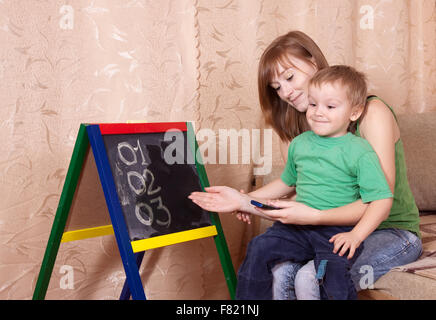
x,y
145,182
153,193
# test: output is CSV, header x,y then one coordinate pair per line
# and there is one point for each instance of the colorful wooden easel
x,y
131,252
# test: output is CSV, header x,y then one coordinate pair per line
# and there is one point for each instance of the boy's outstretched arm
x,y
226,199
223,199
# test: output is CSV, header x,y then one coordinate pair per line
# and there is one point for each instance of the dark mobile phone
x,y
263,206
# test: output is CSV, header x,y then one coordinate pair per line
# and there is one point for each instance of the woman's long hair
x,y
285,120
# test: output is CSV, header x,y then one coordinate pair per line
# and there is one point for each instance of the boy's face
x,y
330,112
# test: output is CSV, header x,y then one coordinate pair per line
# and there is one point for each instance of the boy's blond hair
x,y
353,80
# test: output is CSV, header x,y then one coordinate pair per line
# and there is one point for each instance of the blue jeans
x,y
384,249
298,244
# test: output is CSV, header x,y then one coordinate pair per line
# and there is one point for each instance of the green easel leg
x,y
225,258
220,241
62,211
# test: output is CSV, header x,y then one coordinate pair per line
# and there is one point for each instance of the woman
x,y
284,71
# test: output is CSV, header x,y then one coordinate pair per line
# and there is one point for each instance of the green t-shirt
x,y
404,212
332,172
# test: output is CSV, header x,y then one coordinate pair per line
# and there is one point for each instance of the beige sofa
x,y
416,280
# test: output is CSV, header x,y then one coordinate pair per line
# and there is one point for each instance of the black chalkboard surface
x,y
153,193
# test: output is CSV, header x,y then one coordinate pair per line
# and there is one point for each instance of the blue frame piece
x,y
116,214
125,293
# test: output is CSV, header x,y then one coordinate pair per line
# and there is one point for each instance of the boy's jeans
x,y
298,244
384,249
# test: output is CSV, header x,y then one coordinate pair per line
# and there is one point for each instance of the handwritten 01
x,y
137,182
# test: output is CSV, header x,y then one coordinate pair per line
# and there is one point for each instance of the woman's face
x,y
291,82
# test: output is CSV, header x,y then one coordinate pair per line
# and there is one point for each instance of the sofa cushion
x,y
416,280
403,286
419,139
426,264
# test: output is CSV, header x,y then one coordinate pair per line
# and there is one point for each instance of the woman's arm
x,y
380,129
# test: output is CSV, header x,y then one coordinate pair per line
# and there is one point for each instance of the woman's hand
x,y
292,212
218,199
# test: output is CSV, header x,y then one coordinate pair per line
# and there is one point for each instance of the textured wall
x,y
63,63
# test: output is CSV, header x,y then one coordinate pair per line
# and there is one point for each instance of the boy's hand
x,y
347,241
218,199
292,212
244,217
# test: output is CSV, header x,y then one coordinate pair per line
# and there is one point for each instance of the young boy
x,y
330,167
